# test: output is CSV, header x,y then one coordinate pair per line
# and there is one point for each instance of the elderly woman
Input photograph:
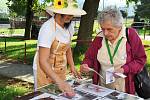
x,y
53,48
111,50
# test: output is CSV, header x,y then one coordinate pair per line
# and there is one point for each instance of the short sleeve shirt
x,y
51,30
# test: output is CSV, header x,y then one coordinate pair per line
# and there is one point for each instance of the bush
x,y
4,20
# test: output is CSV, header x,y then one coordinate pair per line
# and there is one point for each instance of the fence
x,y
17,49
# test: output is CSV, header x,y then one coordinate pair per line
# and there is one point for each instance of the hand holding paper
x,y
120,75
119,72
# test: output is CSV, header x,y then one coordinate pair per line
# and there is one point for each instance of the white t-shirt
x,y
48,33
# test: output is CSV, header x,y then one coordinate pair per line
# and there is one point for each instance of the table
x,y
84,91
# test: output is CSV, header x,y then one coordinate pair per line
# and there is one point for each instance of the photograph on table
x,y
94,89
80,96
116,95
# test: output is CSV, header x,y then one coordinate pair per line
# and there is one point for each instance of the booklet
x,y
109,76
116,95
94,89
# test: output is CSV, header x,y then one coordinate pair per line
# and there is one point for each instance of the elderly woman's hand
x,y
84,68
120,70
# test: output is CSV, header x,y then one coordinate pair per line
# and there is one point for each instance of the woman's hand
x,y
120,70
84,68
75,73
66,89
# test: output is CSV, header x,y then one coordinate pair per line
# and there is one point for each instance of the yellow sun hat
x,y
68,7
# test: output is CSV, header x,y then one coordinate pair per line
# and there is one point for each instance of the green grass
x,y
10,88
147,52
8,92
15,49
11,31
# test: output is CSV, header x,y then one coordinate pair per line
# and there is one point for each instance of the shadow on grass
x,y
10,88
15,49
11,39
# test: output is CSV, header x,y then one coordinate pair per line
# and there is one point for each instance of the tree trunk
x,y
86,24
29,17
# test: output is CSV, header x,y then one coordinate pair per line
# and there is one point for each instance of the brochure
x,y
109,75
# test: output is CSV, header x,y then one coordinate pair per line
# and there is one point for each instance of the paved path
x,y
19,71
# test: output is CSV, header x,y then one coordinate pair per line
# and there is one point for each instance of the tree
x,y
25,8
142,8
142,11
29,17
17,6
86,24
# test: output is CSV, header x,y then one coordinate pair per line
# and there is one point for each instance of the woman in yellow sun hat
x,y
53,48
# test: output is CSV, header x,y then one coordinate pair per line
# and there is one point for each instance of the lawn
x,y
15,49
147,49
9,88
11,31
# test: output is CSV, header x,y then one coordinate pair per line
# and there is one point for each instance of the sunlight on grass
x,y
15,49
12,31
146,42
9,92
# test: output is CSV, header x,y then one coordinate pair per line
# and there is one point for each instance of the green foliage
x,y
143,8
49,0
37,7
4,20
17,6
129,1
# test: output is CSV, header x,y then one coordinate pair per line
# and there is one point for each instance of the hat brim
x,y
67,11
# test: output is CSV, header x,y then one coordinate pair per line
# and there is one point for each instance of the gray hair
x,y
112,14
